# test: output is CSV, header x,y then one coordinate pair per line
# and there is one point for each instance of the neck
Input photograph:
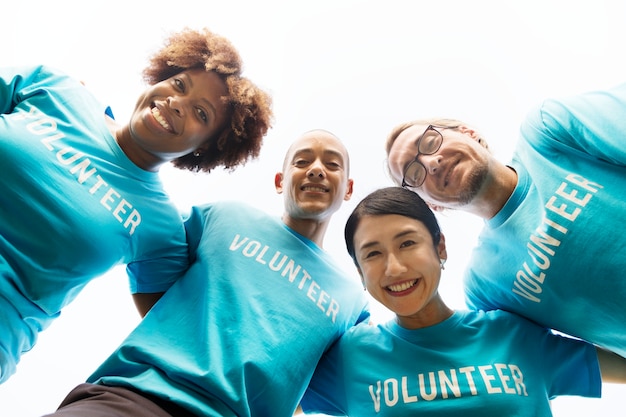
x,y
138,156
496,192
312,229
433,313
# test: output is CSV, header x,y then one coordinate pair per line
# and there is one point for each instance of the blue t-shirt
x,y
474,363
72,205
556,252
241,332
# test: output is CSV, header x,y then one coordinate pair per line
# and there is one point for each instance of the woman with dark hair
x,y
80,193
431,360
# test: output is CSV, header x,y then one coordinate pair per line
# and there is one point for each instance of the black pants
x,y
90,400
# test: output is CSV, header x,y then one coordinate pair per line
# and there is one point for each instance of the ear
x,y
199,151
473,133
349,190
278,182
466,130
441,248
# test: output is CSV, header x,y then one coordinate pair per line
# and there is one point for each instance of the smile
x,y
402,286
314,188
159,118
451,167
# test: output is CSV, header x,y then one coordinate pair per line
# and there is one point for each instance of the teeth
x,y
402,287
157,115
312,188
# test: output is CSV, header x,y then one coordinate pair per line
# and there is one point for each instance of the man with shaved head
x,y
241,333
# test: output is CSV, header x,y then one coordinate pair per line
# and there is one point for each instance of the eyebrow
x,y
416,150
419,137
415,143
396,236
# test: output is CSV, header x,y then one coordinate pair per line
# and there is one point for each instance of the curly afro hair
x,y
250,107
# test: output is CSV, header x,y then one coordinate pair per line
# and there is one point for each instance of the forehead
x,y
404,149
208,83
318,142
386,228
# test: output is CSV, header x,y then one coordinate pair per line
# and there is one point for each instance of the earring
x,y
443,263
197,153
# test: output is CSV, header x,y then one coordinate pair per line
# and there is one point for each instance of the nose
x,y
394,266
432,163
176,104
316,169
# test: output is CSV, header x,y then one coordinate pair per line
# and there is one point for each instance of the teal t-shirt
x,y
474,364
72,205
241,332
556,252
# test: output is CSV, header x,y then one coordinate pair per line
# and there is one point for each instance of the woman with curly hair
x,y
80,193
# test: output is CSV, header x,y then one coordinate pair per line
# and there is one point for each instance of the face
x,y
178,115
400,266
456,173
315,177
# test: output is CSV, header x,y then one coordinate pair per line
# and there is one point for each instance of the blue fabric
x,y
72,205
241,332
473,364
556,252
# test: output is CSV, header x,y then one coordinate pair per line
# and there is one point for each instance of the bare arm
x,y
145,301
612,366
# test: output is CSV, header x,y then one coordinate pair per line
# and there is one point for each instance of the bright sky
x,y
356,68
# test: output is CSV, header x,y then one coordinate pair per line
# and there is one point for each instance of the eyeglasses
x,y
427,144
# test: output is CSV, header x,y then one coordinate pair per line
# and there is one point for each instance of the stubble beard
x,y
475,182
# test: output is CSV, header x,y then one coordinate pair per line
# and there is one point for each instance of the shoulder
x,y
50,73
225,212
504,321
32,77
492,316
363,334
225,207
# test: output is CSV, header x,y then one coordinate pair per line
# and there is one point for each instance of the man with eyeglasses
x,y
553,246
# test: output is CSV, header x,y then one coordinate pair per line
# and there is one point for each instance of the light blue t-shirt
x,y
72,205
241,332
556,252
474,363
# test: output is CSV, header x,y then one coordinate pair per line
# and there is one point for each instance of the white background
x,y
356,68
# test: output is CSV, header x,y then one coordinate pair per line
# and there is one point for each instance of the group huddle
x,y
245,313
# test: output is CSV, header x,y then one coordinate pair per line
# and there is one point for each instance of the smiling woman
x,y
197,87
78,156
175,117
439,361
354,67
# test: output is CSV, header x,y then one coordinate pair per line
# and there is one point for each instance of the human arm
x,y
148,285
591,123
152,276
298,411
612,366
